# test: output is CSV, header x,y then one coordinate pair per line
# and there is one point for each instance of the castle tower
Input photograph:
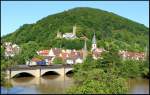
x,y
85,51
59,34
94,46
74,29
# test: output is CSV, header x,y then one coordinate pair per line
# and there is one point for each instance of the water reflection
x,y
138,86
46,84
52,84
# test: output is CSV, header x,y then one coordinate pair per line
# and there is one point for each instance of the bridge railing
x,y
25,67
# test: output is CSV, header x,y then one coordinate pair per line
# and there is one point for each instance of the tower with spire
x,y
84,50
94,45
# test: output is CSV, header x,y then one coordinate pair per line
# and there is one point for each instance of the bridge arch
x,y
56,71
20,74
50,73
68,70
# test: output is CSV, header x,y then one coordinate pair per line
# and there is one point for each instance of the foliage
x,y
133,69
107,75
91,77
58,60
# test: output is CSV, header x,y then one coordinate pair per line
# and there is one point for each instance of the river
x,y
52,84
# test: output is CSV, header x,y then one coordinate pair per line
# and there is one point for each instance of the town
x,y
68,56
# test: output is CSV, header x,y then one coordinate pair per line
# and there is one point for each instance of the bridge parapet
x,y
38,71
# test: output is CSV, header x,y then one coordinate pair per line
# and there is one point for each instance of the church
x,y
96,52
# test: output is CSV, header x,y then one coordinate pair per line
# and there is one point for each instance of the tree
x,y
91,77
58,60
28,50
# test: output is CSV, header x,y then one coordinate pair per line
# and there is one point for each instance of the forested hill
x,y
109,28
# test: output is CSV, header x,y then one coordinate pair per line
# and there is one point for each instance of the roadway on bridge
x,y
25,67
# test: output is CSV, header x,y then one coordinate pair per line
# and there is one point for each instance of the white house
x,y
79,60
69,61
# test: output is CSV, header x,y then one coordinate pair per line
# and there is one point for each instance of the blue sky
x,y
16,13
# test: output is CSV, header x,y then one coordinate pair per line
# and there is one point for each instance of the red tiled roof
x,y
36,59
43,52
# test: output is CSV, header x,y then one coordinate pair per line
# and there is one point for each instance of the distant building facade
x,y
132,55
11,49
68,56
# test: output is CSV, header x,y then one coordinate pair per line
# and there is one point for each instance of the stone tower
x,y
84,50
59,34
94,46
74,29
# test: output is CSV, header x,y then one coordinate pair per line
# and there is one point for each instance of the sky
x,y
16,13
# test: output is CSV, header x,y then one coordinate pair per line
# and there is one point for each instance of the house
x,y
43,52
69,61
97,52
132,55
48,60
36,61
56,51
33,61
11,49
78,60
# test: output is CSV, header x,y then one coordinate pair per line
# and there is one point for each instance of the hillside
x,y
109,28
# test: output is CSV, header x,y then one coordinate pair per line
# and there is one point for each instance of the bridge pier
x,y
8,74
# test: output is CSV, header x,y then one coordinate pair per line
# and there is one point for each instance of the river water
x,y
52,84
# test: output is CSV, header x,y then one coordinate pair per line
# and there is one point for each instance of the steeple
x,y
74,29
94,39
94,46
84,50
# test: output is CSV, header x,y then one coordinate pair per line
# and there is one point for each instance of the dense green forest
x,y
109,28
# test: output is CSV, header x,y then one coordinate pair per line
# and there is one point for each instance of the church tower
x,y
84,50
94,46
74,29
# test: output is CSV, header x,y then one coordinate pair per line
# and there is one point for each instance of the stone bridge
x,y
38,71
